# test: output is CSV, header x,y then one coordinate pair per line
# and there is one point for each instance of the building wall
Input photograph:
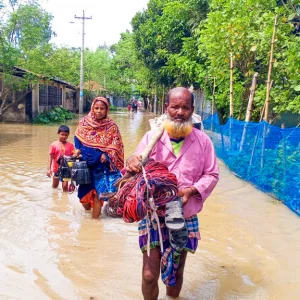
x,y
69,101
46,101
30,106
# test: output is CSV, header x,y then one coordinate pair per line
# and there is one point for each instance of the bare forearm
x,y
49,162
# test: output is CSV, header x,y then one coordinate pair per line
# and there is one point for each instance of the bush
x,y
55,115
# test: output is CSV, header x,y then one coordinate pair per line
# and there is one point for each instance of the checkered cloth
x,y
170,258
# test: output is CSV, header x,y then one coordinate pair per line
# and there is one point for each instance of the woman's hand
x,y
103,158
77,152
187,193
134,164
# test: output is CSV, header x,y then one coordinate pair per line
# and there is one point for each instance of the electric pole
x,y
82,63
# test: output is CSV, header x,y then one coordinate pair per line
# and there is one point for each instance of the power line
x,y
83,18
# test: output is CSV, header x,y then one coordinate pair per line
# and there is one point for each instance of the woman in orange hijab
x,y
98,140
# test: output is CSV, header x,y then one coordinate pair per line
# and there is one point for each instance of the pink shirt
x,y
56,149
196,165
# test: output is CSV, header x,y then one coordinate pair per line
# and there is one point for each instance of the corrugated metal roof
x,y
18,71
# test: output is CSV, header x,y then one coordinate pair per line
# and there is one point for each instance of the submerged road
x,y
50,248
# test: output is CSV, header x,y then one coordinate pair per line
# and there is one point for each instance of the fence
x,y
265,155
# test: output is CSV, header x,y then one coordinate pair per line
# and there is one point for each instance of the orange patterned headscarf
x,y
102,134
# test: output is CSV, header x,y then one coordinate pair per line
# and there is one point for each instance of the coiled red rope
x,y
132,200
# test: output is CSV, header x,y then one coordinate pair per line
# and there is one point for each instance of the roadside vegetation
x,y
182,42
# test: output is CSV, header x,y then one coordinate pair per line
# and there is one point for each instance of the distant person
x,y
98,140
134,106
56,150
140,105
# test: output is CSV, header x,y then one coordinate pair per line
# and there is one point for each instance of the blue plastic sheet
x,y
265,155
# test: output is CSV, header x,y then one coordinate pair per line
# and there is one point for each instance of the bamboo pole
x,y
267,102
212,104
163,102
251,98
249,110
231,101
203,99
231,85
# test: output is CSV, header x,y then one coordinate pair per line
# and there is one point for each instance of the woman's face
x,y
100,110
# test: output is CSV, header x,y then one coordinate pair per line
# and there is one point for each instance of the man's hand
x,y
134,164
187,193
49,173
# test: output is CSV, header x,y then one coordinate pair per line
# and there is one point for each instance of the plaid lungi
x,y
170,258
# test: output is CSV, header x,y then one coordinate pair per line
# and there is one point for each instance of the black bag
x,y
80,173
64,170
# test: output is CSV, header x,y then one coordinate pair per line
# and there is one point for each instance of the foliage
x,y
56,114
128,74
245,29
174,42
28,27
97,65
189,43
163,38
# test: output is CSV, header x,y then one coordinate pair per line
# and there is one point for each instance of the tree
x,y
245,29
163,36
29,26
128,73
27,29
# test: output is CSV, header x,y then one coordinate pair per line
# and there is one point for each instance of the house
x,y
30,97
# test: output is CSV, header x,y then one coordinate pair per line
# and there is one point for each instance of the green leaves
x,y
160,36
56,114
297,88
28,27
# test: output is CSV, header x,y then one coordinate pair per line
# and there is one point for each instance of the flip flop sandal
x,y
174,215
179,238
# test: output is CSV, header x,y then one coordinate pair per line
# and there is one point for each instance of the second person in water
x,y
98,140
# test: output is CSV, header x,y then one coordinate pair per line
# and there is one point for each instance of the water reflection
x,y
50,248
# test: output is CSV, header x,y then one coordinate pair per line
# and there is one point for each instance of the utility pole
x,y
82,63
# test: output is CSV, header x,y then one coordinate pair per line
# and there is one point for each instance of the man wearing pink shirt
x,y
190,155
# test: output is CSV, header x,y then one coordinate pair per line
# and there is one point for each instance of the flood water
x,y
50,248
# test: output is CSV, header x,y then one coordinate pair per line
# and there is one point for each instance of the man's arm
x,y
134,162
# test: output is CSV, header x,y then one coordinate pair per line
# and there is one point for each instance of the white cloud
x,y
109,19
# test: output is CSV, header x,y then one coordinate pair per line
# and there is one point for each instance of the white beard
x,y
178,129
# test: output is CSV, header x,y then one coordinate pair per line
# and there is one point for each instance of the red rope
x,y
132,199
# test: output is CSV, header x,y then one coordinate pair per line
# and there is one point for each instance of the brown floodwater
x,y
50,248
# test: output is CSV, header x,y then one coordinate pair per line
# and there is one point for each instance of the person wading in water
x,y
189,154
98,140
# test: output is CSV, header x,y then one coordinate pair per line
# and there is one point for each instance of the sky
x,y
109,19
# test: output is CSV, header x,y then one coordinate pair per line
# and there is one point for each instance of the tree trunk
x,y
4,109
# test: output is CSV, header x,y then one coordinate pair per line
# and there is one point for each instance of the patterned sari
x,y
95,137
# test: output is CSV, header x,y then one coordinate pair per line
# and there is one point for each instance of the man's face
x,y
180,107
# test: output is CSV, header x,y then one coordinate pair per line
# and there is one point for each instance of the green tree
x,y
164,38
245,29
25,29
29,26
128,73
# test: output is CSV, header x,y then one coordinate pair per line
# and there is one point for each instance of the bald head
x,y
180,92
